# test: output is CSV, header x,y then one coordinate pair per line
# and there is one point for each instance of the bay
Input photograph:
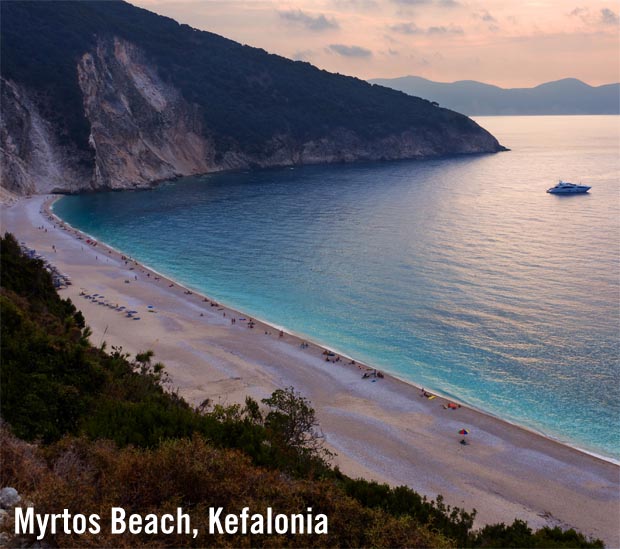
x,y
459,274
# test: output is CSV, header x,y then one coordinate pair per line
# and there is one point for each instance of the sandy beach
x,y
380,428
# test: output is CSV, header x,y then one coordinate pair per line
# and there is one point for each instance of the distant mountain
x,y
103,94
568,96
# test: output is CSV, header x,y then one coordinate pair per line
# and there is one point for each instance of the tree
x,y
142,365
292,420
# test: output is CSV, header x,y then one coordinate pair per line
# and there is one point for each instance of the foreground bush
x,y
92,476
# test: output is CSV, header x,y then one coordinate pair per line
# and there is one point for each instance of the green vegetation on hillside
x,y
247,96
107,433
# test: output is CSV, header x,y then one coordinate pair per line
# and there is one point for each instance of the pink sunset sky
x,y
510,43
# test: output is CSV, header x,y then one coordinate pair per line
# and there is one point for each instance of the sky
x,y
510,43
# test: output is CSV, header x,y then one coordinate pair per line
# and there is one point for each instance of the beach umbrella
x,y
463,432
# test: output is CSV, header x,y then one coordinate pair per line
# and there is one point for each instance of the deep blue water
x,y
459,274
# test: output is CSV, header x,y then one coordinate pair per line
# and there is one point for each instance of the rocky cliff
x,y
32,158
112,108
141,128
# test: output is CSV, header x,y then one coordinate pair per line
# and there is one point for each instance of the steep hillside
x,y
107,95
568,96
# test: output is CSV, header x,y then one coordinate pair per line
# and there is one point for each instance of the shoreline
x,y
48,208
382,429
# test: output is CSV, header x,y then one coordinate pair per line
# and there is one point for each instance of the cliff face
x,y
141,128
116,106
32,158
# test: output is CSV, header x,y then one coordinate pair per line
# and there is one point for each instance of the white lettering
x,y
183,519
118,520
24,522
245,512
214,520
257,524
281,524
42,524
165,529
297,524
151,525
29,522
321,524
94,528
135,524
79,524
231,524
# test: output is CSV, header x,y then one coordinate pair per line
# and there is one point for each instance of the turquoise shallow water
x,y
459,274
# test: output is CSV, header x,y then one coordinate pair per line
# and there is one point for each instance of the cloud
x,y
413,29
406,28
588,17
317,23
442,3
581,13
486,17
355,4
444,30
302,55
609,17
412,2
350,51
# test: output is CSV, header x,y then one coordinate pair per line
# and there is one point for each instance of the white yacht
x,y
563,187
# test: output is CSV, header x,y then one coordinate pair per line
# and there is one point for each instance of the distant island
x,y
105,95
567,96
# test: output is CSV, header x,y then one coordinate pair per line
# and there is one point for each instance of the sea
x,y
459,274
